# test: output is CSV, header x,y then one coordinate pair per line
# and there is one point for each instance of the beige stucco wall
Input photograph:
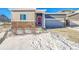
x,y
30,16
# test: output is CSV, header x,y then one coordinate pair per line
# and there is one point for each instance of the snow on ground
x,y
28,41
43,41
62,42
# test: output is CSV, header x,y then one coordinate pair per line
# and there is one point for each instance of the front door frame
x,y
39,14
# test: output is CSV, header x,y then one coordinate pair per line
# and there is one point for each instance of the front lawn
x,y
72,35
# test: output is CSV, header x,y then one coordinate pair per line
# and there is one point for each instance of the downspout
x,y
67,21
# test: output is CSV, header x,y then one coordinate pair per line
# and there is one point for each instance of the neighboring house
x,y
4,18
4,21
74,19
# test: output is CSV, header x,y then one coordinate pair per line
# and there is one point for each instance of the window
x,y
22,16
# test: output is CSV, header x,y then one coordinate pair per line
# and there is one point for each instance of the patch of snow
x,y
63,43
43,41
30,41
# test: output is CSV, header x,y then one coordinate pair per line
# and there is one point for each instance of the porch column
x,y
43,21
65,21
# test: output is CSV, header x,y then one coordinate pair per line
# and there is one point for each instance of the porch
x,y
26,27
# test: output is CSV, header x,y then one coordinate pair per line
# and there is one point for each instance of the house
x,y
26,18
29,18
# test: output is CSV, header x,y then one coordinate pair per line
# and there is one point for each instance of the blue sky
x,y
6,11
53,10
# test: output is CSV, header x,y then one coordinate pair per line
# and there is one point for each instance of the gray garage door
x,y
54,23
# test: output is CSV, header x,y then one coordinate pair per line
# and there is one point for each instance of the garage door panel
x,y
55,19
54,24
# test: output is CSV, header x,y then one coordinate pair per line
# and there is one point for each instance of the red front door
x,y
39,21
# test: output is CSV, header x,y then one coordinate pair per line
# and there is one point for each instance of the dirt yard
x,y
72,35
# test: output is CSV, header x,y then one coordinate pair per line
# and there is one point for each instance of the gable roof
x,y
73,14
39,11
